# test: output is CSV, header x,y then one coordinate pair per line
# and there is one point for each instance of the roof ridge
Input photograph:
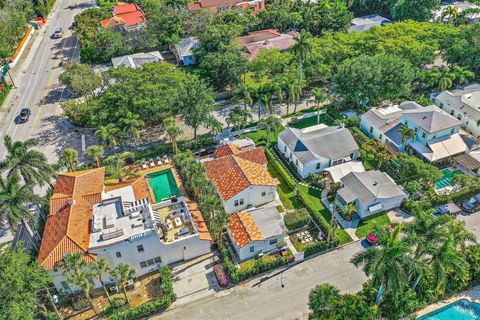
x,y
235,159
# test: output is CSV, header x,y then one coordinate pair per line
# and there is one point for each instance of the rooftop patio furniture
x,y
144,164
183,231
165,159
159,161
152,163
178,221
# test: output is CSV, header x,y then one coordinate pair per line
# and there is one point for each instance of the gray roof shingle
x,y
319,142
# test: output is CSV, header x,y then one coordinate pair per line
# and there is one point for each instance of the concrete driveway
x,y
194,280
266,299
472,222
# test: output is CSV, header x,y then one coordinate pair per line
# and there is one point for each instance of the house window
x,y
252,249
434,136
157,260
441,105
273,241
424,135
459,117
452,112
65,285
352,155
290,156
264,193
317,166
452,131
296,162
380,136
150,262
371,129
241,201
415,130
119,255
285,148
237,203
140,248
143,264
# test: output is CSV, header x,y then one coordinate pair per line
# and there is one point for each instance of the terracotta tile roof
x,y
244,229
234,173
199,221
126,8
260,35
211,4
67,226
113,22
139,186
228,149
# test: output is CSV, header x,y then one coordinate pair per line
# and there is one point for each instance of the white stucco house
x,y
365,23
436,132
122,223
464,104
313,149
371,192
241,178
137,60
467,10
256,232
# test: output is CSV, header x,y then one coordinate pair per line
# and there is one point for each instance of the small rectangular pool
x,y
163,185
462,309
447,178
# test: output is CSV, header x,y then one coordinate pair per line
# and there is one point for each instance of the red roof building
x,y
266,39
128,16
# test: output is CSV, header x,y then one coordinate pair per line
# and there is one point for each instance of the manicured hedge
x,y
260,265
315,248
148,309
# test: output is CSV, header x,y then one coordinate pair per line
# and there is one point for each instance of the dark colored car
x,y
372,238
441,210
24,115
471,204
58,33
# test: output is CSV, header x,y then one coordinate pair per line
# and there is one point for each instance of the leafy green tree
x,y
272,64
301,49
419,10
81,80
464,51
69,158
328,15
123,272
173,132
164,24
108,135
323,300
223,68
116,169
30,164
406,133
194,103
99,269
282,15
209,204
365,80
449,14
387,264
217,38
95,153
21,278
15,200
221,222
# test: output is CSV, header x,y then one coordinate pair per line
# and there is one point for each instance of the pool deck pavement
x,y
471,295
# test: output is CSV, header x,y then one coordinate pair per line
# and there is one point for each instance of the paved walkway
x,y
264,297
349,226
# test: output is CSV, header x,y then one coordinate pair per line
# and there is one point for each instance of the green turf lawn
x,y
311,121
366,226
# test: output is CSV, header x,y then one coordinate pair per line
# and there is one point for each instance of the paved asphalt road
x,y
268,300
36,77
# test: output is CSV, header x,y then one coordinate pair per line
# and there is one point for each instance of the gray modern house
x,y
313,149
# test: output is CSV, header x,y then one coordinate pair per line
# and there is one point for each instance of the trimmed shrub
x,y
316,247
296,220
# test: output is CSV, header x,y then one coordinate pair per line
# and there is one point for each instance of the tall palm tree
x,y
297,89
123,272
265,96
244,92
446,260
15,199
72,263
459,235
83,280
116,169
321,96
270,124
173,132
209,204
131,125
289,88
30,164
446,79
108,135
462,75
95,152
239,118
301,49
449,14
323,299
406,133
69,158
221,221
99,268
350,208
387,264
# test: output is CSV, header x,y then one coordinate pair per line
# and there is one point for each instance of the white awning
x,y
375,207
339,171
441,148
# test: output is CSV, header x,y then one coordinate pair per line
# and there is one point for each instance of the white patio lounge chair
x,y
165,159
159,161
144,164
152,163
